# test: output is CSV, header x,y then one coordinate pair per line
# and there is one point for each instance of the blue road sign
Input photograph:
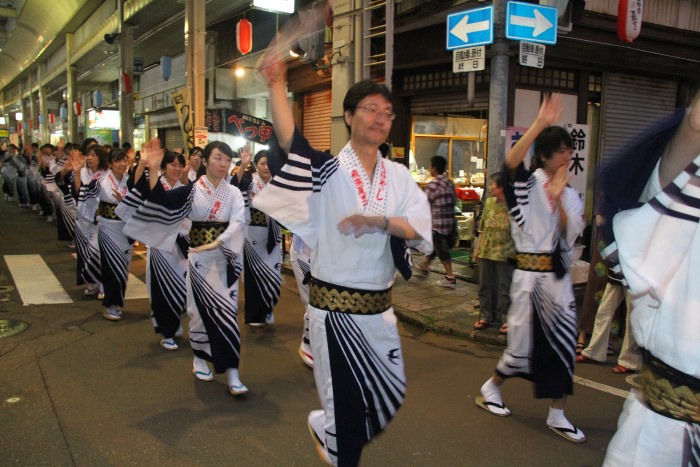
x,y
470,28
532,23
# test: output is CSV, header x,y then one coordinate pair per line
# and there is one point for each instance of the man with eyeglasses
x,y
355,212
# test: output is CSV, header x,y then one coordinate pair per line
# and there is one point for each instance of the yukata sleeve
x,y
133,199
88,197
233,237
156,222
289,197
574,218
518,193
415,208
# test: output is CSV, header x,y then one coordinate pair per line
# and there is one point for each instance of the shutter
x,y
317,119
629,105
174,139
449,103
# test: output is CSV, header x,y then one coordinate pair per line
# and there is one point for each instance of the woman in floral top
x,y
496,251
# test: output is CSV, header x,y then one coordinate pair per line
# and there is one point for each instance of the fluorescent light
x,y
18,116
279,6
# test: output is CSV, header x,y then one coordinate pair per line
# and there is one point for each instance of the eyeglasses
x,y
372,109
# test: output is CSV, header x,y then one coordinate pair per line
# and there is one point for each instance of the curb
x,y
488,336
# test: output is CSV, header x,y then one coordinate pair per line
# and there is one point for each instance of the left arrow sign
x,y
464,28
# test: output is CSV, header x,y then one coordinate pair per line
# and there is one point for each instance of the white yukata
x,y
358,365
86,228
262,272
542,316
658,249
300,257
212,276
165,269
115,247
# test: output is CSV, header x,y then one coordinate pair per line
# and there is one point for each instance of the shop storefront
x,y
103,126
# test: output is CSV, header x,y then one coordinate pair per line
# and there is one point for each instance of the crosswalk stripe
x,y
135,287
35,282
601,387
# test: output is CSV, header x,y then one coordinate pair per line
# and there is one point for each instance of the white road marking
x,y
35,282
135,287
601,387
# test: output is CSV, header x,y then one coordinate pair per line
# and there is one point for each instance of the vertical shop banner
x,y
578,167
238,124
184,115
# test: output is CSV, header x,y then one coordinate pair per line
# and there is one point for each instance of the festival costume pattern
x,y
212,276
358,364
542,316
662,278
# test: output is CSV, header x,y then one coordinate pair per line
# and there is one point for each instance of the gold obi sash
x,y
333,297
541,262
257,218
202,233
106,211
670,392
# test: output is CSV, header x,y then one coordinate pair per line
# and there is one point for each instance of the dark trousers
x,y
494,290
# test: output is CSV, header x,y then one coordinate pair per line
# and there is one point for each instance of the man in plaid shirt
x,y
441,195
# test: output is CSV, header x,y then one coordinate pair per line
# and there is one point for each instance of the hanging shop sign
x,y
201,136
238,124
184,114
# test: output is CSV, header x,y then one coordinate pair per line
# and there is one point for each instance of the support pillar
x,y
33,114
349,69
498,92
71,90
43,106
195,51
126,78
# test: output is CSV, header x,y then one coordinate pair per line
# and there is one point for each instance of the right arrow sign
x,y
533,23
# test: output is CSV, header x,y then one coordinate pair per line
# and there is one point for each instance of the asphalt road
x,y
76,389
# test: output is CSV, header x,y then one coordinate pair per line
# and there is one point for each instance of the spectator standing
x,y
495,253
442,198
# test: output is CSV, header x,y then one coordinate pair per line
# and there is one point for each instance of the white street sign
x,y
470,59
532,54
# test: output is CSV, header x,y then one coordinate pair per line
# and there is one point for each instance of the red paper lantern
x,y
77,108
629,19
244,36
52,118
19,127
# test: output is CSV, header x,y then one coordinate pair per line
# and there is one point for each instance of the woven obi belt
x,y
670,392
541,262
257,218
333,297
202,233
106,211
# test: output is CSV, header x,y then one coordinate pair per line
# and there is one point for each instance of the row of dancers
x,y
201,235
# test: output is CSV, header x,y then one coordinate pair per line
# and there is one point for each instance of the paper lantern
x,y
244,36
19,127
62,111
97,98
52,118
629,19
166,67
126,83
77,108
41,119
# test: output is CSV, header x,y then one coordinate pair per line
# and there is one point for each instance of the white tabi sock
x,y
558,422
233,377
491,392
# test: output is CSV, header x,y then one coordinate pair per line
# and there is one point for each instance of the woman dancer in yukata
x,y
217,211
115,248
91,168
165,269
263,278
547,217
